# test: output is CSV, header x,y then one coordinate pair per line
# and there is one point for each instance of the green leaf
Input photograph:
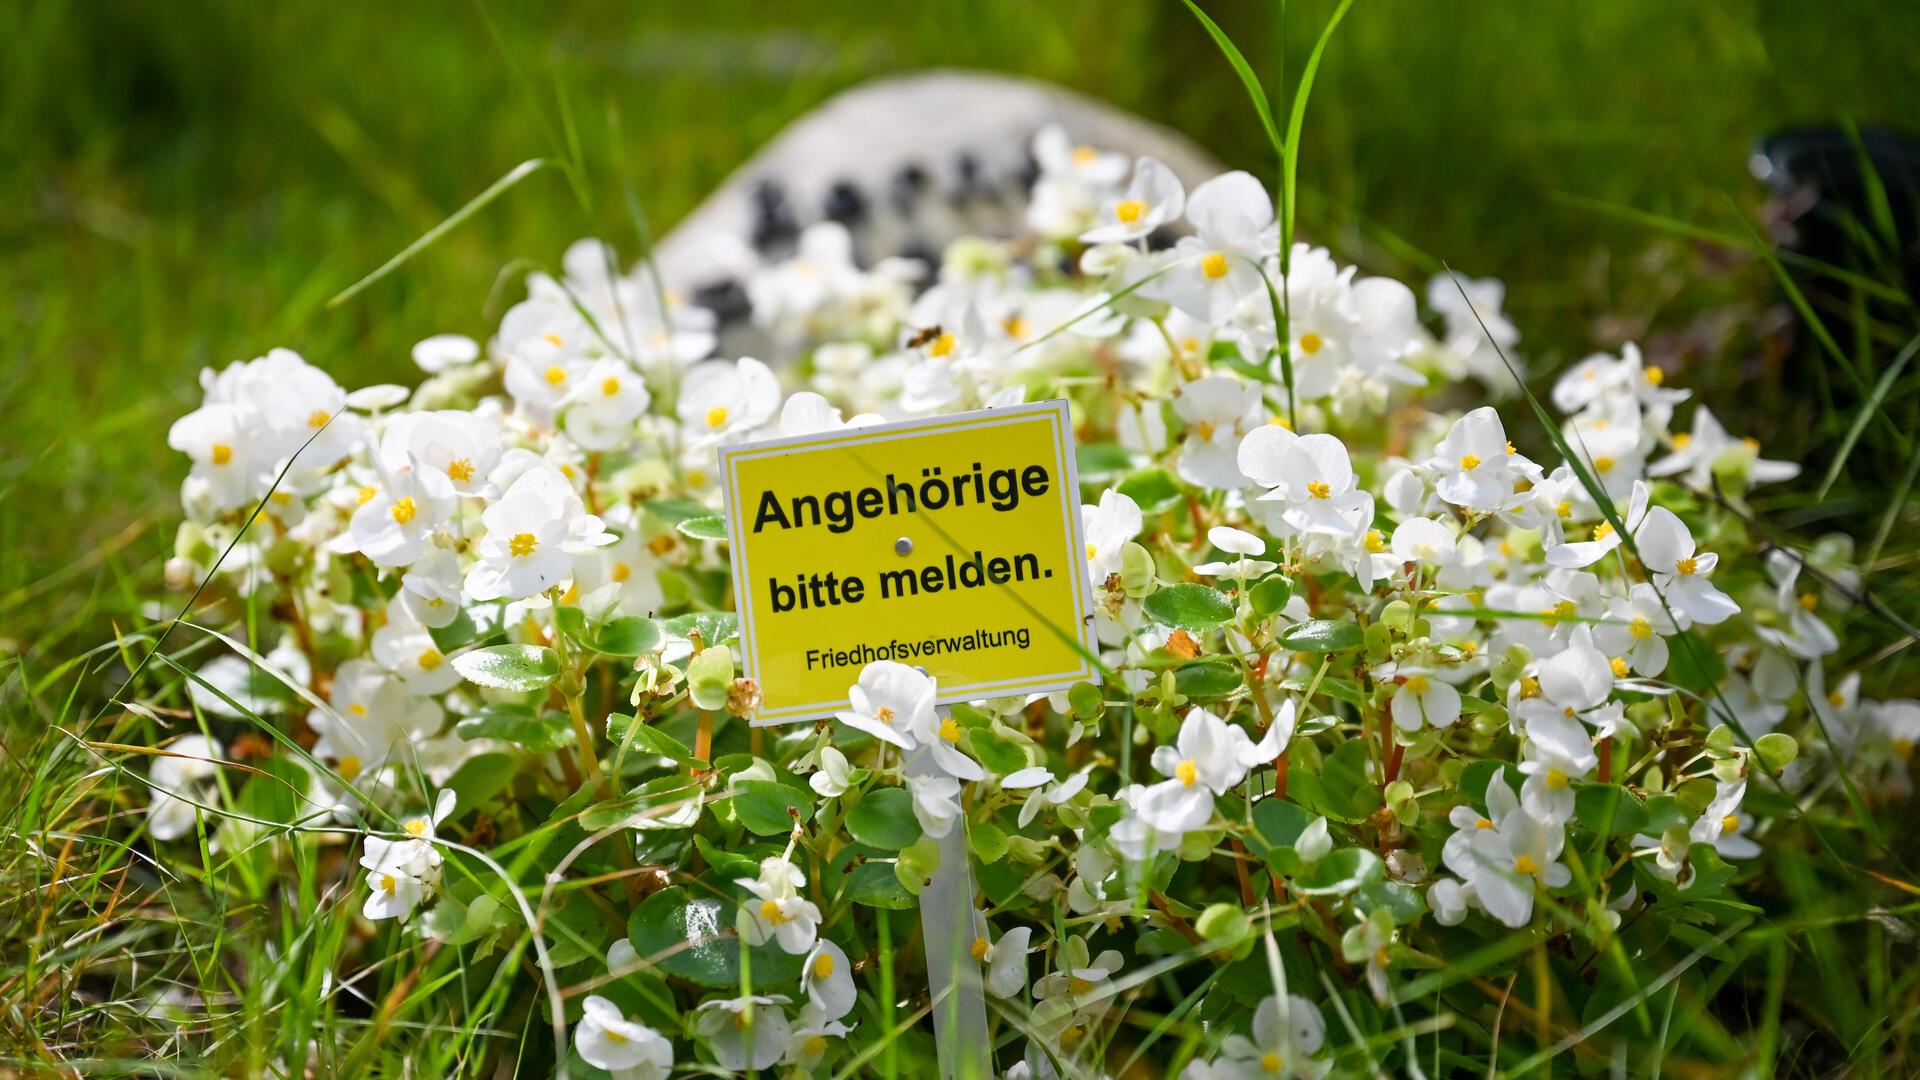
x,y
540,732
675,511
710,677
1343,871
867,877
1086,701
1100,461
999,751
709,527
769,808
1188,607
1206,680
460,632
1279,823
1321,636
884,819
629,636
1695,665
519,668
989,842
665,802
1269,595
1402,902
714,627
481,777
646,738
1153,489
693,937
1609,810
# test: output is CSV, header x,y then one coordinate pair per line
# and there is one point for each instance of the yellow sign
x,y
950,543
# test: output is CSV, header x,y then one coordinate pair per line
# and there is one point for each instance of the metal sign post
x,y
946,929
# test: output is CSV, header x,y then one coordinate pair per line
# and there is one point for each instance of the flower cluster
x,y
1378,686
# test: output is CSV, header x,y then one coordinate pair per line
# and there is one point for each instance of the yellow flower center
x,y
1836,699
620,572
1084,155
357,709
1071,1037
1686,566
556,374
416,826
1311,343
1187,772
366,493
222,453
942,346
389,884
318,418
1809,601
1556,779
1525,865
1681,440
1469,461
1482,823
823,966
1214,266
1418,683
1129,210
552,339
460,470
1620,668
1272,1062
1079,987
1564,508
770,911
609,386
1093,552
815,1045
614,1037
404,509
884,715
1640,628
717,417
1510,450
430,659
1655,375
1015,326
1529,687
348,768
1603,530
521,545
979,949
1279,421
1603,464
949,730
1319,490
1729,823
1376,543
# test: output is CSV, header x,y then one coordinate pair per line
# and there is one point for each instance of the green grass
x,y
183,189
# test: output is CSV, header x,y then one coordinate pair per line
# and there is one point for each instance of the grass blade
x,y
1247,78
1866,413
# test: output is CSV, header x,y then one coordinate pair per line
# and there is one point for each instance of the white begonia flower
x,y
1457,851
1154,197
541,371
749,1032
1107,529
1477,468
431,588
600,407
226,466
1058,155
405,647
442,351
372,716
891,702
1561,754
780,913
1667,550
622,578
1697,455
1424,540
1424,699
401,872
181,776
1605,538
462,446
1210,273
394,893
398,516
936,803
1219,411
1310,476
533,532
1240,543
810,1032
1511,859
1636,630
1209,757
1314,842
1805,634
1005,958
721,400
1449,899
1043,790
807,413
830,781
1724,825
1477,332
1287,1033
827,978
628,1049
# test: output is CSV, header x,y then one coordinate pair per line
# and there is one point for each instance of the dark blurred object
x,y
1823,193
